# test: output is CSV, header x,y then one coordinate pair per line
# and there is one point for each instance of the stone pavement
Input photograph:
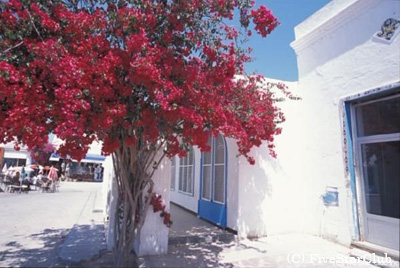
x,y
46,229
86,240
188,228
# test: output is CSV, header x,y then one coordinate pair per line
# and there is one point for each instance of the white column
x,y
110,195
153,239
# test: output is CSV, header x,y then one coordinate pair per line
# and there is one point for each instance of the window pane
x,y
382,178
219,150
190,157
207,155
206,187
181,178
173,173
185,175
219,183
380,117
190,180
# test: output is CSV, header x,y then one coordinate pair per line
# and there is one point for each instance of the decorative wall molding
x,y
389,29
335,22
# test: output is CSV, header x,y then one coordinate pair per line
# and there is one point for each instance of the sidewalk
x,y
204,245
86,240
283,251
188,228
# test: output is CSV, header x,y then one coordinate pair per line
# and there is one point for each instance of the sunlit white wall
x,y
338,56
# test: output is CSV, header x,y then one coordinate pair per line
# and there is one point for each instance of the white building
x,y
341,140
337,174
10,157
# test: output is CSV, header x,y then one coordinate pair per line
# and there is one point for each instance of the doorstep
x,y
379,250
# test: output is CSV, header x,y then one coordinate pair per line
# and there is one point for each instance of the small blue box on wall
x,y
331,197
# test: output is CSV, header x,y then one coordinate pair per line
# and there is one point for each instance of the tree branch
x,y
10,48
34,26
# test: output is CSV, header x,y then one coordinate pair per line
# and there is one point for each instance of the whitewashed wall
x,y
232,184
271,192
338,56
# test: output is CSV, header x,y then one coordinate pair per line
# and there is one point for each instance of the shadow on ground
x,y
81,246
82,243
188,255
37,250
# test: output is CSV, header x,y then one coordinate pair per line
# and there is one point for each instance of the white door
x,y
378,144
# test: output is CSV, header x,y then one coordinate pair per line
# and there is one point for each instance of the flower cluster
x,y
265,22
158,205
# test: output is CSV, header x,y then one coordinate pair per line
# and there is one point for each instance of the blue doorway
x,y
212,201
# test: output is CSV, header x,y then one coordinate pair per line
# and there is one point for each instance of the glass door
x,y
378,144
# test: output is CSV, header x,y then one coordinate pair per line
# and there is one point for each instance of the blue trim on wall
x,y
350,163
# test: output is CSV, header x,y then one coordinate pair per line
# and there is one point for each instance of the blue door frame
x,y
350,165
209,209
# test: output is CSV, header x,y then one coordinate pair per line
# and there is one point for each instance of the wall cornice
x,y
334,22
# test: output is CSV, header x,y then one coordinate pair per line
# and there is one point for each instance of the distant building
x,y
11,157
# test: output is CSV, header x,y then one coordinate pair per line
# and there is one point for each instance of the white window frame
x,y
184,165
213,165
211,175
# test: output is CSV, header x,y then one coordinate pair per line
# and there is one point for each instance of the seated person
x,y
28,181
34,180
39,178
15,179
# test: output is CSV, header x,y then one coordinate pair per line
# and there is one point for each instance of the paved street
x,y
66,228
34,225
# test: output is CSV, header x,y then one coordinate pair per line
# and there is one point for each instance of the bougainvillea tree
x,y
41,153
148,78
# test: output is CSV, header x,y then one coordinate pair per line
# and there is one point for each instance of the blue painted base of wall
x,y
213,212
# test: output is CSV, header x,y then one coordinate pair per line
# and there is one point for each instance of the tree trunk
x,y
134,167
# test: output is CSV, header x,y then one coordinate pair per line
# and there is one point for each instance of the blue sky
x,y
274,58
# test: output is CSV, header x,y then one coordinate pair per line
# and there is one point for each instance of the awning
x,y
15,155
89,158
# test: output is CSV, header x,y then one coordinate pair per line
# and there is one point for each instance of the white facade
x,y
339,55
256,194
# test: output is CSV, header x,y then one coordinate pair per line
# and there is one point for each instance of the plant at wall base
x,y
148,78
159,206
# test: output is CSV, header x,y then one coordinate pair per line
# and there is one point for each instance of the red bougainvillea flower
x,y
127,73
